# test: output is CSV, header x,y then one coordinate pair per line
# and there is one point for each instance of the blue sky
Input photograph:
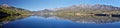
x,y
35,5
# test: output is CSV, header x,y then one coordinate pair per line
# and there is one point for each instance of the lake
x,y
53,21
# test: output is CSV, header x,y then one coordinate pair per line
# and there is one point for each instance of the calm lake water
x,y
48,21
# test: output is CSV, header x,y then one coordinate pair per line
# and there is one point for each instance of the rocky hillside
x,y
90,9
88,6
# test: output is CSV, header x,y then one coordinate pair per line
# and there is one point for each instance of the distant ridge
x,y
89,6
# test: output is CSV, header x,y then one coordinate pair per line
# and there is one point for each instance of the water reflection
x,y
44,15
48,21
7,19
86,19
79,19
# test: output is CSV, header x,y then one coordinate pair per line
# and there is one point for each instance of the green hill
x,y
10,10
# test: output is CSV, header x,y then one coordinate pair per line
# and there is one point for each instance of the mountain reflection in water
x,y
85,19
80,19
7,19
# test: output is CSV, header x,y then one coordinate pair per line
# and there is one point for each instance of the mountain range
x,y
89,6
89,9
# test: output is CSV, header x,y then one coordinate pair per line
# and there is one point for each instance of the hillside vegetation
x,y
10,10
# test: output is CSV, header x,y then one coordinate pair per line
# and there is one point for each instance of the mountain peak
x,y
5,5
